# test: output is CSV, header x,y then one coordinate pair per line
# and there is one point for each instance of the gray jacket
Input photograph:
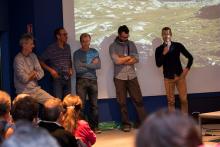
x,y
117,48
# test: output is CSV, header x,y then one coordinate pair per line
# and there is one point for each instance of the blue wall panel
x,y
3,15
48,16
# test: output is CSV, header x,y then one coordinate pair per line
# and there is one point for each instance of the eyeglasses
x,y
124,37
63,34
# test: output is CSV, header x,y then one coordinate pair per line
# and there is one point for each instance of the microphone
x,y
166,48
165,44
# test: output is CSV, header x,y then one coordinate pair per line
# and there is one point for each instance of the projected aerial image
x,y
195,23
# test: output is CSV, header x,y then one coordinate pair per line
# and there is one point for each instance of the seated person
x,y
168,129
27,71
25,108
19,96
5,117
52,116
74,124
26,135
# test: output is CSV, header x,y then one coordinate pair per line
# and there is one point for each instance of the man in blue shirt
x,y
86,62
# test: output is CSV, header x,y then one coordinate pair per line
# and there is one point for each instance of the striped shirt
x,y
58,58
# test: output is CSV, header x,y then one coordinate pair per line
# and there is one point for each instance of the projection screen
x,y
195,23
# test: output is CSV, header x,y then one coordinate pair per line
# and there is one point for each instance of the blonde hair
x,y
19,97
72,105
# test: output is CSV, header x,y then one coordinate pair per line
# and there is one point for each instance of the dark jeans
x,y
61,87
133,88
89,87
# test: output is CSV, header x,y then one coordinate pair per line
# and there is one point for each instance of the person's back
x,y
64,138
51,122
25,109
26,135
52,115
168,129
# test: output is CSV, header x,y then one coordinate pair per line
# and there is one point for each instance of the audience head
x,y
53,110
168,129
25,108
5,103
72,105
19,96
26,135
72,100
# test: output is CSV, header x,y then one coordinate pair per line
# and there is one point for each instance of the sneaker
x,y
97,131
126,128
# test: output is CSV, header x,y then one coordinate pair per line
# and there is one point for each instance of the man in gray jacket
x,y
124,55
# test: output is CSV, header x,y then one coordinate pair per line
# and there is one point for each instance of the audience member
x,y
25,108
74,124
168,129
53,112
26,135
19,96
5,117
